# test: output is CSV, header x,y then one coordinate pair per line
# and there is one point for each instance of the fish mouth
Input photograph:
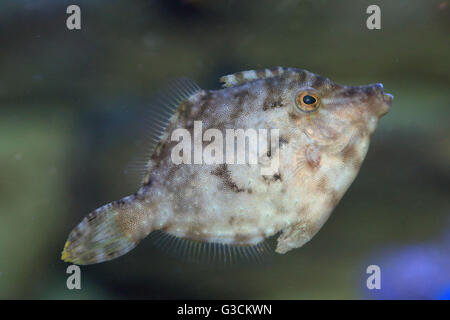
x,y
385,104
387,97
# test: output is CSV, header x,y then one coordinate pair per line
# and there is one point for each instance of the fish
x,y
313,135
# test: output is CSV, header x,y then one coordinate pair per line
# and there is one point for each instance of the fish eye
x,y
307,100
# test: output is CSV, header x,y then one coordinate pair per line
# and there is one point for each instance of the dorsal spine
x,y
239,78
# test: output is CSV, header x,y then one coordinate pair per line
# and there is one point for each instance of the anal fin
x,y
211,252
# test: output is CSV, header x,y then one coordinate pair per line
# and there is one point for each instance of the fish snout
x,y
380,102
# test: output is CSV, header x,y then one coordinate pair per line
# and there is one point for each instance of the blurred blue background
x,y
70,109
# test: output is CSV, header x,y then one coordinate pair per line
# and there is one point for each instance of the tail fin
x,y
106,233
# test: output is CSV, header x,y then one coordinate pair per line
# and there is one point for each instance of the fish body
x,y
322,135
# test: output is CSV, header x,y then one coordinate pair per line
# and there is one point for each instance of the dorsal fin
x,y
157,118
241,77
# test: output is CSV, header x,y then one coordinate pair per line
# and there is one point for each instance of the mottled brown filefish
x,y
323,133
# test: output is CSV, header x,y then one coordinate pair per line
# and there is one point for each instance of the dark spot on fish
x,y
274,178
272,103
371,90
223,173
351,91
241,96
318,82
160,146
205,103
241,238
349,153
261,74
283,140
271,86
301,76
293,116
119,203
